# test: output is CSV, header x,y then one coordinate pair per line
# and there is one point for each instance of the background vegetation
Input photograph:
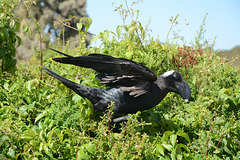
x,y
42,119
232,55
53,16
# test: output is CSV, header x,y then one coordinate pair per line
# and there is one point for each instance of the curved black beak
x,y
183,90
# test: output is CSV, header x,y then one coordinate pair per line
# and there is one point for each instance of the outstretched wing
x,y
125,74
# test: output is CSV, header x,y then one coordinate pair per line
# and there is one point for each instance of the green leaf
x,y
159,149
94,39
184,135
40,116
11,153
47,150
79,26
88,22
41,146
34,143
119,30
129,55
166,135
183,146
17,26
60,136
238,155
173,154
41,136
23,111
105,37
12,23
6,86
219,120
81,154
25,28
226,149
91,148
50,133
31,84
19,41
28,85
126,27
173,139
76,98
179,157
167,146
6,34
28,135
131,29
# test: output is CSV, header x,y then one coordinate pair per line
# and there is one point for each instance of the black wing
x,y
128,75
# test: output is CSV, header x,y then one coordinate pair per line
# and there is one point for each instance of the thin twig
x,y
136,30
211,51
169,32
70,27
63,38
4,158
109,125
95,157
229,137
82,75
209,134
40,39
218,144
11,145
9,134
77,149
173,23
235,139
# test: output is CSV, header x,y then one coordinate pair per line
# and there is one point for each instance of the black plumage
x,y
132,86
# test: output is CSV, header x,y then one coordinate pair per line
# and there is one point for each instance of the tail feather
x,y
83,91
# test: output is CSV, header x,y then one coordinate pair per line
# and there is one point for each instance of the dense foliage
x,y
42,119
8,38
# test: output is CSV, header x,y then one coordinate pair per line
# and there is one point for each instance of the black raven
x,y
132,86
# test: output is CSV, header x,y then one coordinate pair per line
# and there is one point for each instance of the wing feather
x,y
125,74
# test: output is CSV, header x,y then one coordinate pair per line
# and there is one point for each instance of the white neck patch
x,y
168,73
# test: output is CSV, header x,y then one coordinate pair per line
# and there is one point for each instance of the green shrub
x,y
52,122
8,38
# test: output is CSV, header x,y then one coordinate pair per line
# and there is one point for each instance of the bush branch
x,y
136,30
210,128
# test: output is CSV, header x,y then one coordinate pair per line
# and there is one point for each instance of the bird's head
x,y
175,83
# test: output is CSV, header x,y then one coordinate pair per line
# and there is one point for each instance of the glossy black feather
x,y
116,72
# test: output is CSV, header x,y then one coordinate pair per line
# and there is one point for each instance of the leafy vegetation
x,y
233,55
8,38
49,121
45,13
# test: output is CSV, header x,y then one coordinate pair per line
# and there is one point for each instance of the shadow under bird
x,y
132,86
